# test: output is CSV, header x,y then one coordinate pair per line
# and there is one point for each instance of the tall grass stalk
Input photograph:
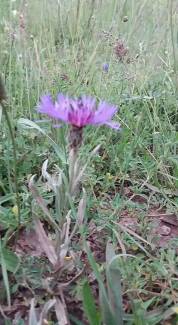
x,y
171,13
4,104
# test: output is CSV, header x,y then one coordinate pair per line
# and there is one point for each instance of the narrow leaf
x,y
41,202
107,316
115,292
32,314
45,242
113,277
110,252
5,275
11,260
47,306
81,209
89,305
61,312
104,303
26,123
0,113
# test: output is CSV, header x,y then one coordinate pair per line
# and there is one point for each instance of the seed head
x,y
120,50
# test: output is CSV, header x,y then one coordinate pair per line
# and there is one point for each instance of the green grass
x,y
41,43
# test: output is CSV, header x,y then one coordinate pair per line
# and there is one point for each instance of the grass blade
x,y
89,305
115,293
32,314
5,275
104,303
61,312
113,277
32,125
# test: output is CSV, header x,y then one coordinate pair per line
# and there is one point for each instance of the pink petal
x,y
104,113
46,105
88,102
113,125
58,111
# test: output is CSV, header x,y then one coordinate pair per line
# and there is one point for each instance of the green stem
x,y
4,107
172,41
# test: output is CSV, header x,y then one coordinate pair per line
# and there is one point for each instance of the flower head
x,y
120,50
79,112
105,67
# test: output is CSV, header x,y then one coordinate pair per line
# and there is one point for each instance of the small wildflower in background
x,y
22,21
64,77
120,50
109,176
78,113
15,211
105,67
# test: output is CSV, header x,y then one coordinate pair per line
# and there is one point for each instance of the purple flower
x,y
79,112
105,67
